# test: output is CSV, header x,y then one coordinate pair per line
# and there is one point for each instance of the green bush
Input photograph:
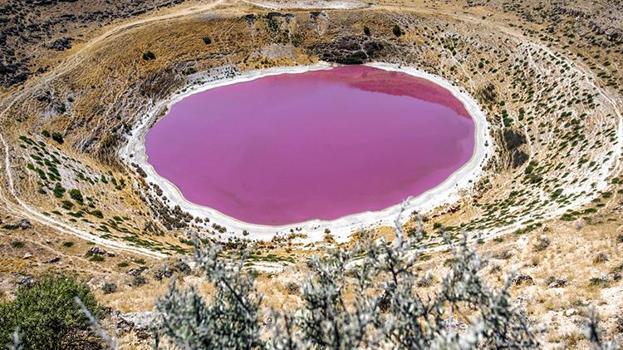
x,y
17,244
148,56
47,314
397,30
58,137
76,195
59,190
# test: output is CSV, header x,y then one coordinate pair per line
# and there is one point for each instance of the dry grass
x,y
107,82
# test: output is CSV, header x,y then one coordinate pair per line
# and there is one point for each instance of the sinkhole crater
x,y
323,144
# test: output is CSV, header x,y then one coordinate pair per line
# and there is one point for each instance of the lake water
x,y
317,145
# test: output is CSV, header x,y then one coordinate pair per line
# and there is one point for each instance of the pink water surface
x,y
316,145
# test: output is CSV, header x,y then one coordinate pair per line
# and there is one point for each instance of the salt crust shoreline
x,y
308,4
445,193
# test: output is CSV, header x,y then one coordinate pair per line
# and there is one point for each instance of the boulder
x,y
96,251
24,224
53,260
523,280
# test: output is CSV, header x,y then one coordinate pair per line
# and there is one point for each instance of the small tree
x,y
46,314
366,31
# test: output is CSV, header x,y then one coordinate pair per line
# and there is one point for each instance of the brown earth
x,y
547,75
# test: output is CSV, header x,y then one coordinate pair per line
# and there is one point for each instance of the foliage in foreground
x,y
46,315
365,297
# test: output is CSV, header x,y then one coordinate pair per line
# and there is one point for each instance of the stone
x,y
163,272
24,280
523,280
557,283
570,312
96,251
137,271
53,260
139,322
24,224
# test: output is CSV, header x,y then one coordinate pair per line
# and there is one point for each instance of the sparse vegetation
x,y
327,320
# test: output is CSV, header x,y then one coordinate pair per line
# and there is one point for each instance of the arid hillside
x,y
78,78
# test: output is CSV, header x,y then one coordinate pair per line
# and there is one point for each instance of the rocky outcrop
x,y
351,50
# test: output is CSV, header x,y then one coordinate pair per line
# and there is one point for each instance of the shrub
x,y
600,258
47,313
207,40
17,244
229,321
388,313
542,244
58,190
397,31
148,56
600,282
45,133
76,195
109,287
366,31
138,281
58,137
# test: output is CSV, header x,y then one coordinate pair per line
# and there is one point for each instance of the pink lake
x,y
317,145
